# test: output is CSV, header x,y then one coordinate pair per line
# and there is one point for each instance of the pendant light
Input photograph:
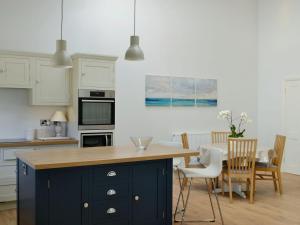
x,y
134,51
61,57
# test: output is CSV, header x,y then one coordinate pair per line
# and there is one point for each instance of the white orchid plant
x,y
236,130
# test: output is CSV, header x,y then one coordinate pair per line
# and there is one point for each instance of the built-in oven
x,y
96,139
96,110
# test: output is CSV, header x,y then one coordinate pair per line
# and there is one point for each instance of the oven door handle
x,y
106,140
89,100
95,134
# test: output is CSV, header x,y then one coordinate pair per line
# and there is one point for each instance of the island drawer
x,y
105,211
110,174
111,191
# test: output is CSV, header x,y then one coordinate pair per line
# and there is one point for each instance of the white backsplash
x,y
17,115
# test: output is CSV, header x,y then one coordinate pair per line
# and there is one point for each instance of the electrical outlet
x,y
44,123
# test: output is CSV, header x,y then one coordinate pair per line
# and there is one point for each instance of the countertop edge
x,y
38,143
104,162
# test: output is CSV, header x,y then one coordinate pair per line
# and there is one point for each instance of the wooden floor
x,y
269,208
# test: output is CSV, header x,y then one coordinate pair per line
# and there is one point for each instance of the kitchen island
x,y
95,186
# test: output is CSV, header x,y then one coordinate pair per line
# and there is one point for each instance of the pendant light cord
x,y
134,17
62,19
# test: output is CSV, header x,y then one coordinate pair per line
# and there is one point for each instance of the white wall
x,y
209,39
278,59
17,116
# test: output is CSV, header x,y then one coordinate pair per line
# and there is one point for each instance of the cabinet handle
x,y
111,174
111,192
111,211
136,198
86,205
24,169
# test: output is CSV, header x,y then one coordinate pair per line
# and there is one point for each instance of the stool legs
x,y
185,201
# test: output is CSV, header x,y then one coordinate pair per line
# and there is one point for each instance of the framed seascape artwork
x,y
158,91
180,91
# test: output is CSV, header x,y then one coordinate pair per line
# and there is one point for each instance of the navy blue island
x,y
96,186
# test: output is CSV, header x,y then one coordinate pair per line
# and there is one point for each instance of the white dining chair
x,y
212,171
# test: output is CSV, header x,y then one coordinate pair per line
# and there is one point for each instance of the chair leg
x,y
222,184
274,181
254,183
217,199
279,181
181,197
247,187
185,203
251,189
185,182
230,189
209,191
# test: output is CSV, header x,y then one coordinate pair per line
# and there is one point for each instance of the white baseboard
x,y
293,169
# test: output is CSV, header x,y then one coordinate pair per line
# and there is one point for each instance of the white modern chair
x,y
212,171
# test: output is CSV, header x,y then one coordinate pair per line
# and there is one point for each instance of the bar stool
x,y
209,173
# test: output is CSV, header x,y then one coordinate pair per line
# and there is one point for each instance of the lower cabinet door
x,y
149,198
66,203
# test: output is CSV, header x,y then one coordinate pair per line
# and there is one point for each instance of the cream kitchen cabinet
x,y
15,71
94,72
8,167
8,172
51,85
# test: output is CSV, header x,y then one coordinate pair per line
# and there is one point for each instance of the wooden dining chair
x,y
185,145
272,170
218,137
187,159
240,164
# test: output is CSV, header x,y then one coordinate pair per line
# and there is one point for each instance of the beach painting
x,y
206,92
183,91
180,91
158,91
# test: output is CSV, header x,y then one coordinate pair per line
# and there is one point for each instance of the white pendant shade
x,y
61,58
134,51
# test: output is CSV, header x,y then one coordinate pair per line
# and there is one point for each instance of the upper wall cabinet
x,y
94,72
51,85
15,71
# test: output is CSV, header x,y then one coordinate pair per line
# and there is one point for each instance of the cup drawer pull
x,y
111,192
111,211
111,174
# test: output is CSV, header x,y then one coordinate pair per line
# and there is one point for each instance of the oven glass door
x,y
96,112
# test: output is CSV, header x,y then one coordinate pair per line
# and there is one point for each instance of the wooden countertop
x,y
59,158
23,143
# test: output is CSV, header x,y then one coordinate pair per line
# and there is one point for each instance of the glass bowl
x,y
141,143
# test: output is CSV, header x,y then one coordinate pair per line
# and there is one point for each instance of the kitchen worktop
x,y
7,143
60,158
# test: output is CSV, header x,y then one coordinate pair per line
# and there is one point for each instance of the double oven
x,y
96,116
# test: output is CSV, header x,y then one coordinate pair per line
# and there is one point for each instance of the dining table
x,y
261,156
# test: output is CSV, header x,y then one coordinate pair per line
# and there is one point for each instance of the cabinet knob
x,y
2,70
82,74
111,174
111,192
111,211
136,198
86,205
37,81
